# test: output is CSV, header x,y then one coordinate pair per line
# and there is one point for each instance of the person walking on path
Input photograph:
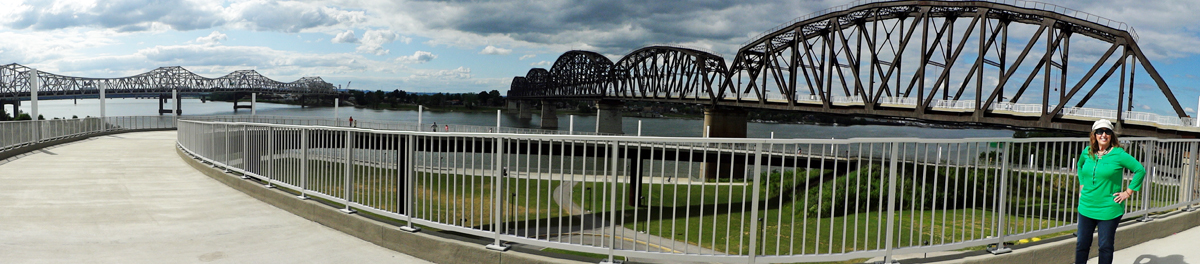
x,y
1101,166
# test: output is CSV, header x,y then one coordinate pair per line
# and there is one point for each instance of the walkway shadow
x,y
48,152
1152,259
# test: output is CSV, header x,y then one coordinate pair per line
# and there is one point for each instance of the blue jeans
x,y
1108,229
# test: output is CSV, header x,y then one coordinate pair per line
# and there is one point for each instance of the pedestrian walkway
x,y
129,198
1180,248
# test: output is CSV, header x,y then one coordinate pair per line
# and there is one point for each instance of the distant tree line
x,y
380,99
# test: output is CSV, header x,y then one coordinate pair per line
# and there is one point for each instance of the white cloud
x,y
212,39
459,73
417,57
492,50
373,40
1189,109
288,16
405,40
1146,107
541,63
527,56
345,37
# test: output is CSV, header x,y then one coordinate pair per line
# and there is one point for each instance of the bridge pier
x,y
236,106
608,117
524,111
162,99
726,123
16,108
549,118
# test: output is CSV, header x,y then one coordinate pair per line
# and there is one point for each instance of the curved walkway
x,y
128,198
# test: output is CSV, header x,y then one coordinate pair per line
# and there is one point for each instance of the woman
x,y
1101,166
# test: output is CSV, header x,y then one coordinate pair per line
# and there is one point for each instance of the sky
x,y
454,46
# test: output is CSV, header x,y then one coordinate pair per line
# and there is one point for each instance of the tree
x,y
497,100
4,115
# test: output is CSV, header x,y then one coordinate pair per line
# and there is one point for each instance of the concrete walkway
x,y
1180,248
128,198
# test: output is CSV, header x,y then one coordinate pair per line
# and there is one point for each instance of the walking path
x,y
129,198
1179,248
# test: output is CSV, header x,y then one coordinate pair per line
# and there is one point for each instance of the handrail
x,y
701,199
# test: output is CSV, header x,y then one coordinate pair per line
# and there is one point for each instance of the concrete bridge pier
x,y
16,107
726,123
549,117
524,111
162,100
253,98
608,117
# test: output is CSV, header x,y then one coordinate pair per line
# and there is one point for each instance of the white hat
x,y
1102,123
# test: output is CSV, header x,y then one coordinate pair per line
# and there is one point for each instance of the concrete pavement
x,y
128,198
1179,248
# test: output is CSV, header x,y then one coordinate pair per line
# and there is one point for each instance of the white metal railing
x,y
15,134
694,199
1018,3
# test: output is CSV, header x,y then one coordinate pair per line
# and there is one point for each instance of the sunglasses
x,y
1104,131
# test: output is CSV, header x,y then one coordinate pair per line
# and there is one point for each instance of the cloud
x,y
1189,109
527,56
373,41
459,73
541,63
345,37
417,57
287,16
212,39
128,15
492,50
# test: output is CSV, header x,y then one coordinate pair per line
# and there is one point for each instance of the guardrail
x,y
695,199
380,124
16,134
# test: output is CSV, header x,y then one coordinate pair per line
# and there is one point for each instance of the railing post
x,y
245,151
754,196
1186,193
303,164
497,196
891,216
270,156
1148,182
408,184
612,205
1002,205
226,139
349,171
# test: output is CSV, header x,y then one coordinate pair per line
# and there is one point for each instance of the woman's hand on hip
x,y
1122,196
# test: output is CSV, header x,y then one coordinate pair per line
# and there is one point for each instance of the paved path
x,y
1180,248
129,198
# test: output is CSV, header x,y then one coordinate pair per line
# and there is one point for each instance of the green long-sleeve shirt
x,y
1101,178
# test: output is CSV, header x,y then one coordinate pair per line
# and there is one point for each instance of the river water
x,y
669,127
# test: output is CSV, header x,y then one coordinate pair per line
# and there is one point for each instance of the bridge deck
x,y
128,198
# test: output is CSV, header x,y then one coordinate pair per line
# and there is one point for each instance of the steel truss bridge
x,y
15,83
942,61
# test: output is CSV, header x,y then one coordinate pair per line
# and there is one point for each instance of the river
x,y
668,127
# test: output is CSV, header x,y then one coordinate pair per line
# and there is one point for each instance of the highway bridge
x,y
972,62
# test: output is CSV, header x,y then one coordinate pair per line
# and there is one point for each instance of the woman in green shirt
x,y
1101,166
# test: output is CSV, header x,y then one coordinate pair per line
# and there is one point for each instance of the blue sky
x,y
455,46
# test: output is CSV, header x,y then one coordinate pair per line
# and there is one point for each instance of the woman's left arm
x,y
1138,170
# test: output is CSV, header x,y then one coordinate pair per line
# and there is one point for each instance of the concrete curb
x,y
1063,250
421,245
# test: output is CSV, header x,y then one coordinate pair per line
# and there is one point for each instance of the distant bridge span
x,y
942,61
15,83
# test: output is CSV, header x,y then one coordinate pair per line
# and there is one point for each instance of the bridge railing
x,y
696,199
16,134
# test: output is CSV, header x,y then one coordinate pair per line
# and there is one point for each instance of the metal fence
x,y
15,134
695,199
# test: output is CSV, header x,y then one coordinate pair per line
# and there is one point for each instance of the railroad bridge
x,y
940,61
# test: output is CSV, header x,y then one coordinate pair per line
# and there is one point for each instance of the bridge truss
x,y
954,61
15,83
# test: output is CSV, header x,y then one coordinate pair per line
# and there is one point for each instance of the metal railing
x,y
15,134
695,199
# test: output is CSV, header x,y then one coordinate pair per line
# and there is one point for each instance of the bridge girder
x,y
902,59
14,83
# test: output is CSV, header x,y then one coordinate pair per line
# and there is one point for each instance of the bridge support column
x,y
608,117
549,117
162,100
236,106
524,111
16,108
726,123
